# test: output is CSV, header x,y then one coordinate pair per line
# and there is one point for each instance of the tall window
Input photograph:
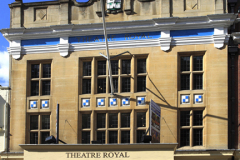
x,y
87,73
191,73
40,79
39,128
141,126
101,81
141,75
191,128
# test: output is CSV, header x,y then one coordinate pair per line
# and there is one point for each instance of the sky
x,y
5,23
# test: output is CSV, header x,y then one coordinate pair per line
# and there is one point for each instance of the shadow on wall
x,y
2,105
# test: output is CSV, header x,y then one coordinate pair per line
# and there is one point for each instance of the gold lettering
x,y
102,38
143,36
138,35
112,37
85,39
133,36
126,36
96,39
148,36
78,39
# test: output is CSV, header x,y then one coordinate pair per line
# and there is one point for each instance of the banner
x,y
155,116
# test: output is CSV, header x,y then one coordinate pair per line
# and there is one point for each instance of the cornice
x,y
157,24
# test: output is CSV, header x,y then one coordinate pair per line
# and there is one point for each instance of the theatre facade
x,y
175,56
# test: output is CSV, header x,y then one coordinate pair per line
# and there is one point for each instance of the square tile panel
x,y
140,101
113,102
185,99
86,102
125,101
33,104
100,102
198,98
45,103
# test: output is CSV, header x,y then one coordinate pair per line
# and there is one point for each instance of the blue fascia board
x,y
192,33
40,42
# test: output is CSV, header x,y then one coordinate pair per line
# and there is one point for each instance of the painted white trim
x,y
63,47
165,40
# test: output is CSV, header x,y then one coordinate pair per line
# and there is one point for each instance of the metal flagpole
x,y
107,49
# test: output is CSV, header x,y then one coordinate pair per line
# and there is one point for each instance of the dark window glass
x,y
197,137
101,120
86,137
198,63
33,138
126,84
115,85
46,70
86,118
113,136
86,68
34,88
45,121
114,67
45,87
185,81
185,63
125,120
141,119
35,71
33,122
185,118
184,137
197,81
86,88
197,118
44,135
141,66
113,120
140,134
126,66
141,84
101,85
101,67
125,137
101,136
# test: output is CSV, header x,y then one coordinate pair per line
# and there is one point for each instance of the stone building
x,y
176,55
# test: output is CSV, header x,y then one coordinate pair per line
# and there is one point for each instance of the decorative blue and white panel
x,y
100,102
112,102
86,102
198,98
125,101
33,104
185,99
44,103
140,101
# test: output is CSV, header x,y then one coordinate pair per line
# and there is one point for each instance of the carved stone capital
x,y
165,43
63,49
15,52
219,40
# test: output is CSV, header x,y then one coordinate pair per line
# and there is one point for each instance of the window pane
x,y
125,120
101,136
46,70
33,138
115,85
45,87
185,118
141,84
33,122
34,88
184,137
101,120
86,119
44,135
140,134
45,121
86,88
141,119
126,84
114,67
185,63
35,71
86,137
141,66
197,81
185,82
101,67
198,63
197,137
126,66
113,136
113,120
101,85
197,118
125,137
86,68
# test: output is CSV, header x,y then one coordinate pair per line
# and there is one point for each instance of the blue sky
x,y
5,23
